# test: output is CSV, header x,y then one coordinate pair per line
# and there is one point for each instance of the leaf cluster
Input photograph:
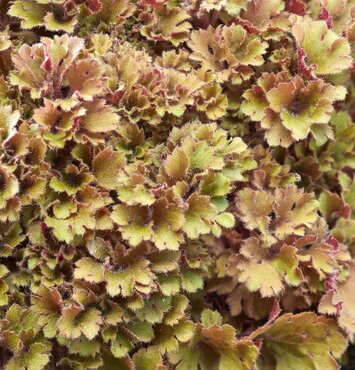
x,y
177,184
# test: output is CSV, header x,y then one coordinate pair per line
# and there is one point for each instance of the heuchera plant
x,y
177,184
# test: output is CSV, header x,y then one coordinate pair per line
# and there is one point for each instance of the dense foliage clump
x,y
177,184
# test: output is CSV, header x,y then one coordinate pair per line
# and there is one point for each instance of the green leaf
x,y
329,52
100,118
304,341
225,219
177,165
191,281
147,358
106,167
120,346
89,270
74,322
210,318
